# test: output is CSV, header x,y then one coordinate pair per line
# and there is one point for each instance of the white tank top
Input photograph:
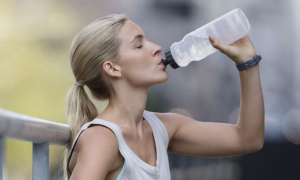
x,y
134,168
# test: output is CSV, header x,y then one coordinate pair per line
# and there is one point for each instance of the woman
x,y
113,58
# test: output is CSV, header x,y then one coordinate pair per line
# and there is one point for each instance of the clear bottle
x,y
195,46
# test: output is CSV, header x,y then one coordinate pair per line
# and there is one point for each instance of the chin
x,y
152,80
162,78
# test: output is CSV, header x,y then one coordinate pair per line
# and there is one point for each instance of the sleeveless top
x,y
135,168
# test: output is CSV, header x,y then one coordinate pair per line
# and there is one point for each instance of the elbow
x,y
256,145
259,142
252,144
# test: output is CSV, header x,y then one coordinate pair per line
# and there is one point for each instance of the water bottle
x,y
195,46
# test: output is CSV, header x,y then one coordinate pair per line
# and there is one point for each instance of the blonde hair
x,y
95,44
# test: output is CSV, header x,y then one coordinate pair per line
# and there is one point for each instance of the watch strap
x,y
249,63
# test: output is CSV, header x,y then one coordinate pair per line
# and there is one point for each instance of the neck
x,y
126,106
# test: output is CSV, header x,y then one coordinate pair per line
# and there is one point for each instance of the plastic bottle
x,y
195,46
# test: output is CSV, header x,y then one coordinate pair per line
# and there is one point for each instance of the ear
x,y
112,69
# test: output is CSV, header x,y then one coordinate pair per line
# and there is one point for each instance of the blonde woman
x,y
113,58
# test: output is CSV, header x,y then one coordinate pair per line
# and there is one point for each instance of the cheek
x,y
136,61
130,66
139,73
138,67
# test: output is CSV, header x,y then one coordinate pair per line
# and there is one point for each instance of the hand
x,y
239,51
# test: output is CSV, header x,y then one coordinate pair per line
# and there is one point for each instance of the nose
x,y
156,50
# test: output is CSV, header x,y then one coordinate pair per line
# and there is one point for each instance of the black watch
x,y
249,64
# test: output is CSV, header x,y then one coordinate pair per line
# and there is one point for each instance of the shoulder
x,y
96,138
98,152
97,135
171,119
168,116
172,122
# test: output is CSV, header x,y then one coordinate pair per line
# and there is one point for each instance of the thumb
x,y
218,45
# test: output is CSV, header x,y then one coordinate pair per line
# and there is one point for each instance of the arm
x,y
97,154
192,137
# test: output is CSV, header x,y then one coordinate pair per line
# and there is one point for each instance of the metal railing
x,y
40,132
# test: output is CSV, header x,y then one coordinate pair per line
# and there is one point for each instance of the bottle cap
x,y
170,60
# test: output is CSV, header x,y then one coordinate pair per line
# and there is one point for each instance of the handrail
x,y
33,129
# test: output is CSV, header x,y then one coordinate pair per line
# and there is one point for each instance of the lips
x,y
160,62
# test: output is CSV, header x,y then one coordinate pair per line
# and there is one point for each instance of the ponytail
x,y
80,110
95,44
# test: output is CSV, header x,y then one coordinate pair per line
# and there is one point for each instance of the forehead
x,y
128,31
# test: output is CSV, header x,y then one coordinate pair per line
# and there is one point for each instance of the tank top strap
x,y
112,126
159,127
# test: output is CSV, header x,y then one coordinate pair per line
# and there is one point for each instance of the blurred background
x,y
35,75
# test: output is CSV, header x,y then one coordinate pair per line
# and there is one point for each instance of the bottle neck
x,y
170,60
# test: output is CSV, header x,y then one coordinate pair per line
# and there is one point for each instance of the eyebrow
x,y
139,36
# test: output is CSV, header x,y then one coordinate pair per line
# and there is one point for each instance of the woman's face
x,y
140,61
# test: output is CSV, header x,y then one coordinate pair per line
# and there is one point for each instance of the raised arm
x,y
192,137
97,154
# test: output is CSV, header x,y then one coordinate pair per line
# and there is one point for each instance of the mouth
x,y
161,62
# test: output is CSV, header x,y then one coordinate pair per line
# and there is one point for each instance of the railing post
x,y
38,131
2,149
40,168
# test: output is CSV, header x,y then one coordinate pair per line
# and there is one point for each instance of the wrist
x,y
249,63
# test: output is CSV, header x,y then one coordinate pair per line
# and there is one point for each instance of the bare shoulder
x,y
98,153
169,116
172,121
97,136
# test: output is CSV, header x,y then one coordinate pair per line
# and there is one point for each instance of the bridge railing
x,y
40,132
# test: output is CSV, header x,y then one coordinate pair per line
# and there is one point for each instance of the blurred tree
x,y
35,74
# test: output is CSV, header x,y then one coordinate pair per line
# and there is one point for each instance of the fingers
x,y
218,45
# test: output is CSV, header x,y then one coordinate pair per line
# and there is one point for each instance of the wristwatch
x,y
249,64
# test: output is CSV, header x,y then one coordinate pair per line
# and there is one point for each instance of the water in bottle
x,y
195,46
